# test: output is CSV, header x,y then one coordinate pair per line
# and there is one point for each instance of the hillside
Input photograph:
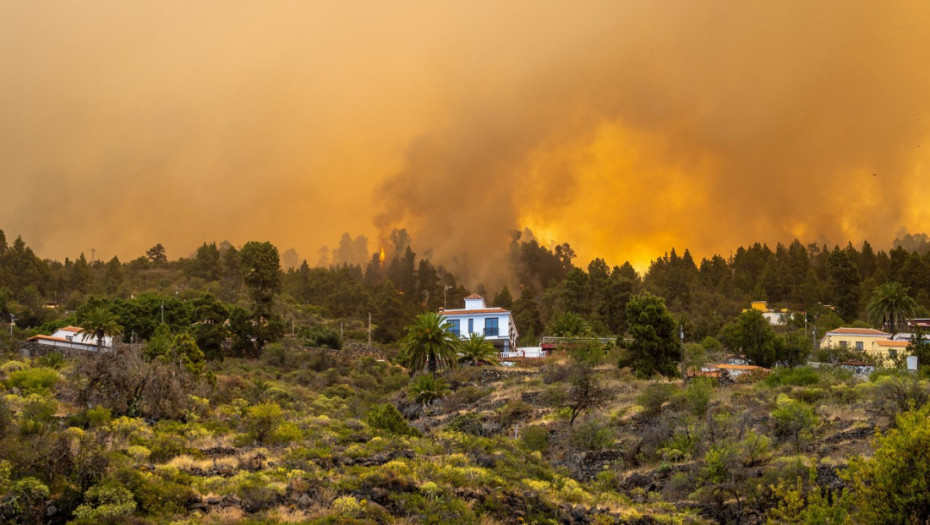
x,y
321,436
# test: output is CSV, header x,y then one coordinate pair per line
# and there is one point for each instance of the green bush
x,y
33,380
463,396
590,352
107,503
98,416
325,337
426,388
891,486
385,416
341,391
793,419
38,414
799,376
257,491
653,397
554,396
810,395
262,421
593,435
555,373
468,423
165,492
25,497
513,411
52,360
679,446
698,394
535,437
166,446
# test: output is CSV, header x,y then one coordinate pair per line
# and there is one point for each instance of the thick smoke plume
x,y
675,124
624,128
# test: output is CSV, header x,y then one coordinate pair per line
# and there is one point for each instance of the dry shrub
x,y
225,516
129,386
282,514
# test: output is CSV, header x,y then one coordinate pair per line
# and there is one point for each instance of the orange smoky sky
x,y
623,128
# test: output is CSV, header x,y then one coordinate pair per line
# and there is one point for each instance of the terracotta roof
x,y
895,344
474,296
475,311
71,329
859,331
48,338
61,340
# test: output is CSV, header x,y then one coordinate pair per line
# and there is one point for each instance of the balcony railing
x,y
491,332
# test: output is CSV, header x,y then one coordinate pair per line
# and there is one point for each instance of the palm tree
x,y
569,324
890,303
477,350
429,343
99,323
426,388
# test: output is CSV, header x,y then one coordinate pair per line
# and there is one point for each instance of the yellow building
x,y
887,351
774,317
874,343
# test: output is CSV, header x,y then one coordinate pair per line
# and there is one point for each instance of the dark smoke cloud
x,y
624,128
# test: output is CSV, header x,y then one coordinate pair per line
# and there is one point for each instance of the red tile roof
x,y
79,341
859,331
474,296
48,338
894,344
475,311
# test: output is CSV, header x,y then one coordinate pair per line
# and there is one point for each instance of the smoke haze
x,y
623,128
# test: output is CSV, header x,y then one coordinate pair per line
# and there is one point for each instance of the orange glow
x,y
622,128
381,256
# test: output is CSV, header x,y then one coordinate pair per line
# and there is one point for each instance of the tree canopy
x,y
655,348
890,305
429,344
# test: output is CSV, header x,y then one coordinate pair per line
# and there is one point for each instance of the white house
x,y
71,337
495,324
775,318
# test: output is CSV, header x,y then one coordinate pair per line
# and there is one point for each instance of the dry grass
x,y
225,516
283,514
189,464
212,441
846,413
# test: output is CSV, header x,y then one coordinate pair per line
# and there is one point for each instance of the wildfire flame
x,y
381,255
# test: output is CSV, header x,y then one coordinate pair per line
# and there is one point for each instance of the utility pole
x,y
12,324
681,336
369,328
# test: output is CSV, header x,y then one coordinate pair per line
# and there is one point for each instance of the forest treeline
x,y
212,286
